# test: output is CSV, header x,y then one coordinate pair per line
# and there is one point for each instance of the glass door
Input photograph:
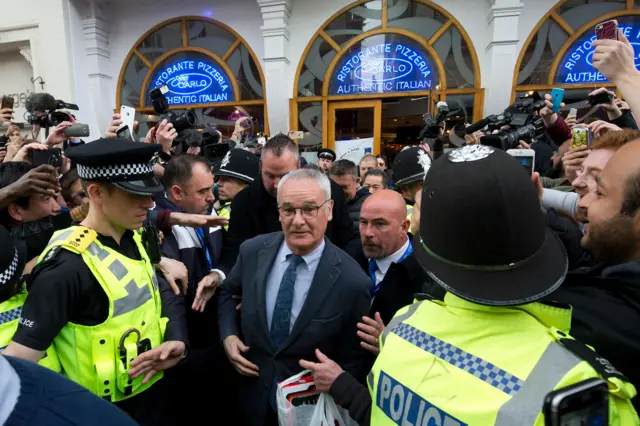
x,y
355,128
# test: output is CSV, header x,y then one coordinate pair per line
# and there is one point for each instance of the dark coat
x,y
356,204
337,300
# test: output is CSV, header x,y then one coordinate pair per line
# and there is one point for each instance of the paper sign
x,y
354,149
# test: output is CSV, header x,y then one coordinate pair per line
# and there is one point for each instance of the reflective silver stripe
x,y
62,236
398,319
10,315
97,251
118,269
370,379
136,297
524,407
154,277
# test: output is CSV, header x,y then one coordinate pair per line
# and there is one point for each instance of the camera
x,y
44,109
521,117
183,121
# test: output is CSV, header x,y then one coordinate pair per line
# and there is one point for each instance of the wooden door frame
x,y
376,104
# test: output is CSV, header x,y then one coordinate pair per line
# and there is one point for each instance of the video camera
x,y
522,119
43,110
183,121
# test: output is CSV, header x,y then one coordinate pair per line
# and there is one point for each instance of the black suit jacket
x,y
337,300
401,283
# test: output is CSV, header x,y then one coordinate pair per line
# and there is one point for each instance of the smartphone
x,y
607,30
573,113
77,130
526,158
585,403
7,102
124,133
556,98
51,156
600,98
128,116
246,124
581,136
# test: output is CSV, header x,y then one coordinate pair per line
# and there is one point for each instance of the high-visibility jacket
x,y
225,211
457,363
10,312
98,357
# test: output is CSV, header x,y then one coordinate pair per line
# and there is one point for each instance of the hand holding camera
x,y
165,135
548,116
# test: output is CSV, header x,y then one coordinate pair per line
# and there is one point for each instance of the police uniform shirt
x,y
62,289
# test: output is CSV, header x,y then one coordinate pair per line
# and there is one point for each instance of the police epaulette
x,y
423,296
597,362
80,239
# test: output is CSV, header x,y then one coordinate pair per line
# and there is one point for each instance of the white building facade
x,y
280,60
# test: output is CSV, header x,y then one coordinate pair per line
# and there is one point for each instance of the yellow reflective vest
x,y
225,211
457,363
10,312
98,357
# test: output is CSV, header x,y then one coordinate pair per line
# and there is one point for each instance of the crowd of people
x,y
145,284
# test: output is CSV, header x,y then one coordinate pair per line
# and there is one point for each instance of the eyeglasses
x,y
308,212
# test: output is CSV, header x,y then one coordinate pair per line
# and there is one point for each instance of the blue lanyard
x,y
373,267
200,234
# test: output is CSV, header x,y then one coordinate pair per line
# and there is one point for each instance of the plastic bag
x,y
299,404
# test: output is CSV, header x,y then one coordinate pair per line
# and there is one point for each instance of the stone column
x,y
96,38
503,54
275,16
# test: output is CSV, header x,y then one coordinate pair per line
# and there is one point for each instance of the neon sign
x,y
194,82
383,68
577,64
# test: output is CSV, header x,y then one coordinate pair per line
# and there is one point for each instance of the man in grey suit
x,y
299,293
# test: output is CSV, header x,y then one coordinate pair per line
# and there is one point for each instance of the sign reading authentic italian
x,y
577,64
383,68
194,82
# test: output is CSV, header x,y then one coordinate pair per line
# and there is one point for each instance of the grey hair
x,y
307,174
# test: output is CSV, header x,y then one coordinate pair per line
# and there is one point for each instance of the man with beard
x,y
606,297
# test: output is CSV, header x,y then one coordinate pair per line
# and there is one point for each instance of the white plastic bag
x,y
324,412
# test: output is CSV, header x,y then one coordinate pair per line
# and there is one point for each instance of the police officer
x,y
94,292
492,351
409,169
13,295
326,157
238,169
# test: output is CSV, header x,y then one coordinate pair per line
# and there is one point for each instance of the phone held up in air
x,y
51,157
128,116
585,403
526,158
556,98
607,30
581,136
77,130
7,102
124,133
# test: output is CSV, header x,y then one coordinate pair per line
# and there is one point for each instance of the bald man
x,y
394,272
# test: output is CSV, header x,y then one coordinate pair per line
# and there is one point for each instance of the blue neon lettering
x,y
577,63
406,408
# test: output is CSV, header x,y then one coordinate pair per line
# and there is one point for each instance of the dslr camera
x,y
522,118
183,121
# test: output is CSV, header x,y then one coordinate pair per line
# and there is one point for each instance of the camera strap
x,y
600,364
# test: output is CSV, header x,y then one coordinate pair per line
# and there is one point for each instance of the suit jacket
x,y
337,300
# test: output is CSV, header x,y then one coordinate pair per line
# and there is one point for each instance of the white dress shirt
x,y
304,277
385,263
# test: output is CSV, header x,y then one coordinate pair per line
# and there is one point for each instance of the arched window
x,y
558,51
385,49
207,67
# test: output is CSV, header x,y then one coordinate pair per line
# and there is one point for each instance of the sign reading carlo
x,y
383,68
194,81
577,64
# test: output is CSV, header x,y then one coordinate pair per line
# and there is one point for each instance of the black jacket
x,y
255,212
356,204
606,313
